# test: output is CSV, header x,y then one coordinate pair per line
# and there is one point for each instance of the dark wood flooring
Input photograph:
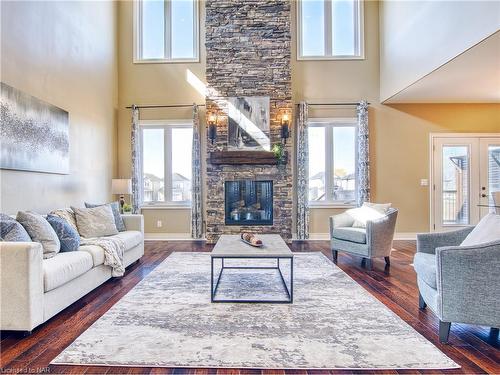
x,y
476,349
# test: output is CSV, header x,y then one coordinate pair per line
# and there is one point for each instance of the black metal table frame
x,y
213,291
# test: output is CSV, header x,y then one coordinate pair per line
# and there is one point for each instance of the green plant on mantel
x,y
279,153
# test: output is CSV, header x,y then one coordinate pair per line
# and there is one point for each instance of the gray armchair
x,y
373,242
460,284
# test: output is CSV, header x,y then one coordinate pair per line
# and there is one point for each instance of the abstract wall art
x,y
34,135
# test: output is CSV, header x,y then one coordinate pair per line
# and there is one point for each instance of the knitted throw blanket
x,y
114,249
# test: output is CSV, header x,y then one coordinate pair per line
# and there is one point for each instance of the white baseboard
x,y
409,236
397,236
169,237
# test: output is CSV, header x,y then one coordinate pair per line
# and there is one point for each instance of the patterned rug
x,y
167,320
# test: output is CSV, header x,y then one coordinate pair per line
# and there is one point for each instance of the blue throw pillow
x,y
12,230
115,207
68,236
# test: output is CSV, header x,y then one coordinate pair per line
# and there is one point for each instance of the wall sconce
x,y
285,127
212,127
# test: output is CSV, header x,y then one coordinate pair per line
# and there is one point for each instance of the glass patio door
x,y
489,170
466,178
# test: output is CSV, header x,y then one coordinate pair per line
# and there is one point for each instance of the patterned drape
x,y
137,188
363,161
196,211
302,173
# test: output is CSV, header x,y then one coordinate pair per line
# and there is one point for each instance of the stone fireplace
x,y
248,45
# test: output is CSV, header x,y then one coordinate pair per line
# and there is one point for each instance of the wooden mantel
x,y
242,157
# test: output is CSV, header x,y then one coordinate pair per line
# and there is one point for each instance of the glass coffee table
x,y
232,247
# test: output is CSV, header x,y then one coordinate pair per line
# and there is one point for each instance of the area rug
x,y
168,320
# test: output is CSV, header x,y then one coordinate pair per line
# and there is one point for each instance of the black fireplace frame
x,y
228,221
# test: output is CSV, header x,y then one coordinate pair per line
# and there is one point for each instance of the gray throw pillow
x,y
66,214
41,231
12,231
95,222
115,206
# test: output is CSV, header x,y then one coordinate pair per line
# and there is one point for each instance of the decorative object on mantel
x,y
248,123
280,153
285,127
243,157
212,127
251,239
34,133
121,186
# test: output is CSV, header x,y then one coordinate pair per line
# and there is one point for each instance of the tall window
x,y
332,161
166,162
330,29
166,30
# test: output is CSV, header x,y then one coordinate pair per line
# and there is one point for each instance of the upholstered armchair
x,y
459,283
374,241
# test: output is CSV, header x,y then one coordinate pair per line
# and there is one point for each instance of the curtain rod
x,y
326,104
166,106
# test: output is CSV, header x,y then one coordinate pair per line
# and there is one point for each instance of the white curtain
x,y
302,173
137,188
363,161
196,196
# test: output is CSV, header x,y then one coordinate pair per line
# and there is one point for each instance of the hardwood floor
x,y
476,349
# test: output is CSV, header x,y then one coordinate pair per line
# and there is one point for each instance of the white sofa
x,y
34,289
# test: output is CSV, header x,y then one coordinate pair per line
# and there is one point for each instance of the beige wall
x,y
64,53
153,84
417,37
399,133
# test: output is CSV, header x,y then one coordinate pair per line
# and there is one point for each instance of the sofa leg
x,y
335,256
368,263
387,260
494,331
421,303
27,333
444,331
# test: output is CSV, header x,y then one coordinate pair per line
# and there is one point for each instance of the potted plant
x,y
280,153
127,209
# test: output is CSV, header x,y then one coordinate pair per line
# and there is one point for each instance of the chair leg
x,y
421,303
387,260
335,256
444,331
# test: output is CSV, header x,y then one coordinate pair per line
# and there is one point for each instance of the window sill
x,y
331,205
330,58
165,61
167,207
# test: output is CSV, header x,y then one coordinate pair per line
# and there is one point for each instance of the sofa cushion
x,y
68,236
350,234
95,222
65,267
115,207
487,230
12,230
131,238
41,231
96,252
425,267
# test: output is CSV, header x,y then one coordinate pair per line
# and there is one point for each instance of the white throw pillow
x,y
41,231
368,212
95,222
488,230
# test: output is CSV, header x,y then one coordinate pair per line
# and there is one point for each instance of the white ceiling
x,y
471,77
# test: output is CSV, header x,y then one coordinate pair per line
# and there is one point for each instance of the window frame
x,y
329,124
167,59
359,29
167,126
